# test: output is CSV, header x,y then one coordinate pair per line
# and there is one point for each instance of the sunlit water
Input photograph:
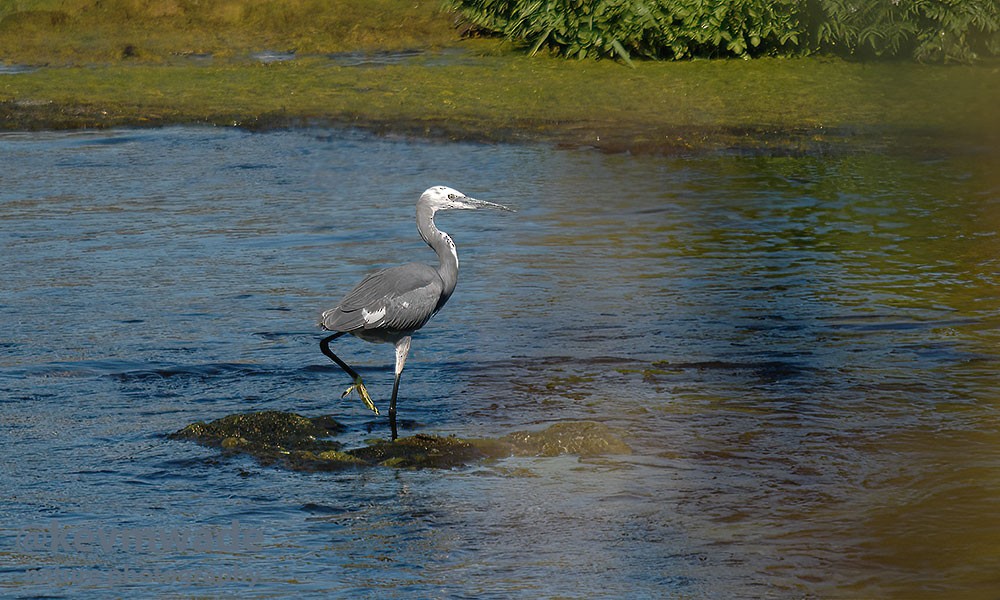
x,y
802,352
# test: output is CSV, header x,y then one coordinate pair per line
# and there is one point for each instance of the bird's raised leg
x,y
324,346
402,349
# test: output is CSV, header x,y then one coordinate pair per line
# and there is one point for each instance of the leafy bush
x,y
926,30
653,29
943,30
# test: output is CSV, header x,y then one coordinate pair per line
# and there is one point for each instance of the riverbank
x,y
432,84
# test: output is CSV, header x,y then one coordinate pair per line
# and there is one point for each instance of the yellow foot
x,y
363,392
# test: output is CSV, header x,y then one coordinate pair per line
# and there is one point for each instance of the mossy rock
x,y
431,451
300,443
270,429
328,460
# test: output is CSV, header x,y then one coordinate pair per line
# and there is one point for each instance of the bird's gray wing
x,y
397,299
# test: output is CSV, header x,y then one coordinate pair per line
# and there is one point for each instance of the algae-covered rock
x,y
300,443
585,438
328,460
271,429
430,451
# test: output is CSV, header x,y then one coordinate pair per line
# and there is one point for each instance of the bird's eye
x,y
452,196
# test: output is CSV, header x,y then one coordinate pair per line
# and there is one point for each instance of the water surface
x,y
802,352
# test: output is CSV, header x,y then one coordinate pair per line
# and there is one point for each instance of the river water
x,y
802,353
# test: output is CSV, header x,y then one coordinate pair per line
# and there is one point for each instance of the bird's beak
x,y
472,203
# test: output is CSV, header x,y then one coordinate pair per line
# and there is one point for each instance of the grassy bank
x,y
64,32
466,90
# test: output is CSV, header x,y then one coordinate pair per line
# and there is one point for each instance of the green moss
x,y
428,451
272,431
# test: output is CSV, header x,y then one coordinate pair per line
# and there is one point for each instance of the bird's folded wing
x,y
398,299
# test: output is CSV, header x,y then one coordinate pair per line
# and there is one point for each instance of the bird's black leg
x,y
324,346
402,349
392,408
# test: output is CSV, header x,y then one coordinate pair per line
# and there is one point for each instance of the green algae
x,y
301,443
656,108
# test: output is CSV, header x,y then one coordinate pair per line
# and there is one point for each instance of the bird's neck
x,y
444,247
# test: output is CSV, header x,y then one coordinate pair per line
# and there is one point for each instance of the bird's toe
x,y
362,393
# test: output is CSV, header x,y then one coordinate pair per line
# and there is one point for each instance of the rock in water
x,y
303,444
585,438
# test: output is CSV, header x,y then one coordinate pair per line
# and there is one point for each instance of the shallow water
x,y
802,353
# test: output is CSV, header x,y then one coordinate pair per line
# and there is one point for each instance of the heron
x,y
389,305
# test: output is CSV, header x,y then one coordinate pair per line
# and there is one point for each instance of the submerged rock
x,y
301,443
586,438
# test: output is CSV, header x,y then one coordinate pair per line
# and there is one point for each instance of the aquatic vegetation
x,y
659,107
303,444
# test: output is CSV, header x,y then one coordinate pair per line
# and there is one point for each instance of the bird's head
x,y
442,197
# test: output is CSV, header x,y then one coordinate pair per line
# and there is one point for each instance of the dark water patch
x,y
95,472
252,166
277,335
329,367
184,467
323,509
559,362
108,139
268,57
428,58
374,59
890,322
15,69
764,371
81,369
203,371
204,58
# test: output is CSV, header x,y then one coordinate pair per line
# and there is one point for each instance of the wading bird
x,y
389,305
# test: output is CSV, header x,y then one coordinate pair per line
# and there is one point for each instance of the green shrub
x,y
927,30
651,29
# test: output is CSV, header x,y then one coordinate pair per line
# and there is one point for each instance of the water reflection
x,y
803,352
